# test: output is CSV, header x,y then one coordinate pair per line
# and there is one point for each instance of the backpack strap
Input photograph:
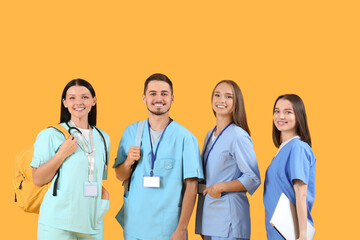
x,y
138,139
66,134
62,129
139,133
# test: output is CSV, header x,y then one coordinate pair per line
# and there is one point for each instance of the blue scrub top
x,y
153,213
294,161
232,157
70,210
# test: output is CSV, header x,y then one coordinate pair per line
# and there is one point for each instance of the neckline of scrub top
x,y
213,144
153,156
284,143
89,152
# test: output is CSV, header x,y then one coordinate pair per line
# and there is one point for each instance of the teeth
x,y
159,105
221,106
79,109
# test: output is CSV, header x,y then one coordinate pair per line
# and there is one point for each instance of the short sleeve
x,y
299,164
246,161
123,147
192,166
46,145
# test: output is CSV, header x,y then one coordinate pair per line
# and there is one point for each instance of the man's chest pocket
x,y
165,167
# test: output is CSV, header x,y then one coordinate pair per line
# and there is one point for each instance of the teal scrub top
x,y
70,210
153,213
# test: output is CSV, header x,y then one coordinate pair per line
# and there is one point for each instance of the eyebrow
x,y
162,91
285,109
228,93
83,94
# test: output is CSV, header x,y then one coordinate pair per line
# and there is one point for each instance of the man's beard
x,y
158,113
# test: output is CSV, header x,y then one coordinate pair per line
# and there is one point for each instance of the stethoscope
x,y
73,128
78,131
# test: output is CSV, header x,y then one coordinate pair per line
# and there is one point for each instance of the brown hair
x,y
238,111
302,128
158,77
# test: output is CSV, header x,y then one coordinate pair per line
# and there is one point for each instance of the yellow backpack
x,y
27,195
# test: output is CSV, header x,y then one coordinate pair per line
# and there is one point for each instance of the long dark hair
x,y
302,128
65,114
238,111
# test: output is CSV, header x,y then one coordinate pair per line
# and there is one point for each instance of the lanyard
x,y
153,156
89,153
212,146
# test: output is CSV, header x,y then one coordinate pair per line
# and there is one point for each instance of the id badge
x,y
153,182
90,189
201,188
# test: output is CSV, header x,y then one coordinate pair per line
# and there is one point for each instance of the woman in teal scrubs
x,y
230,168
292,170
76,202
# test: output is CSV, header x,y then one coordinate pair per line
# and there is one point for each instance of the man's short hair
x,y
158,77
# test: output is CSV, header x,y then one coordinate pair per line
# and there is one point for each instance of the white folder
x,y
284,220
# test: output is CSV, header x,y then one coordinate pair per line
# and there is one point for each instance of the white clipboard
x,y
285,221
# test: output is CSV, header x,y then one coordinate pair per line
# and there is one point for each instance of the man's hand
x,y
133,155
178,235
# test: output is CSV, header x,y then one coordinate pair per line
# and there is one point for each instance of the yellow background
x,y
268,47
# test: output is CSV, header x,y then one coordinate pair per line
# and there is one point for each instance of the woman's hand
x,y
105,194
68,147
300,189
214,190
45,173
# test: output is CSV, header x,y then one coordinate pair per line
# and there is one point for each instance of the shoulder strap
x,y
139,132
62,129
138,139
66,134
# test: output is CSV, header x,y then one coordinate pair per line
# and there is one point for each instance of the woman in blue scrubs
x,y
292,170
230,168
75,204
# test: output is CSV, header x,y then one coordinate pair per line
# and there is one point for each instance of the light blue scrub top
x,y
232,157
153,213
70,210
294,161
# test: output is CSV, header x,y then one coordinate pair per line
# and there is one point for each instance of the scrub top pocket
x,y
61,204
216,210
103,208
166,169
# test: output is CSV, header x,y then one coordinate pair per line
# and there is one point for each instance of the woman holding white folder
x,y
292,170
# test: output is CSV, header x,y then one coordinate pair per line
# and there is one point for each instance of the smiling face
x,y
284,118
158,97
79,102
223,100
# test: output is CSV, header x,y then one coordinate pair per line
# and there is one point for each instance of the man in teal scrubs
x,y
161,195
